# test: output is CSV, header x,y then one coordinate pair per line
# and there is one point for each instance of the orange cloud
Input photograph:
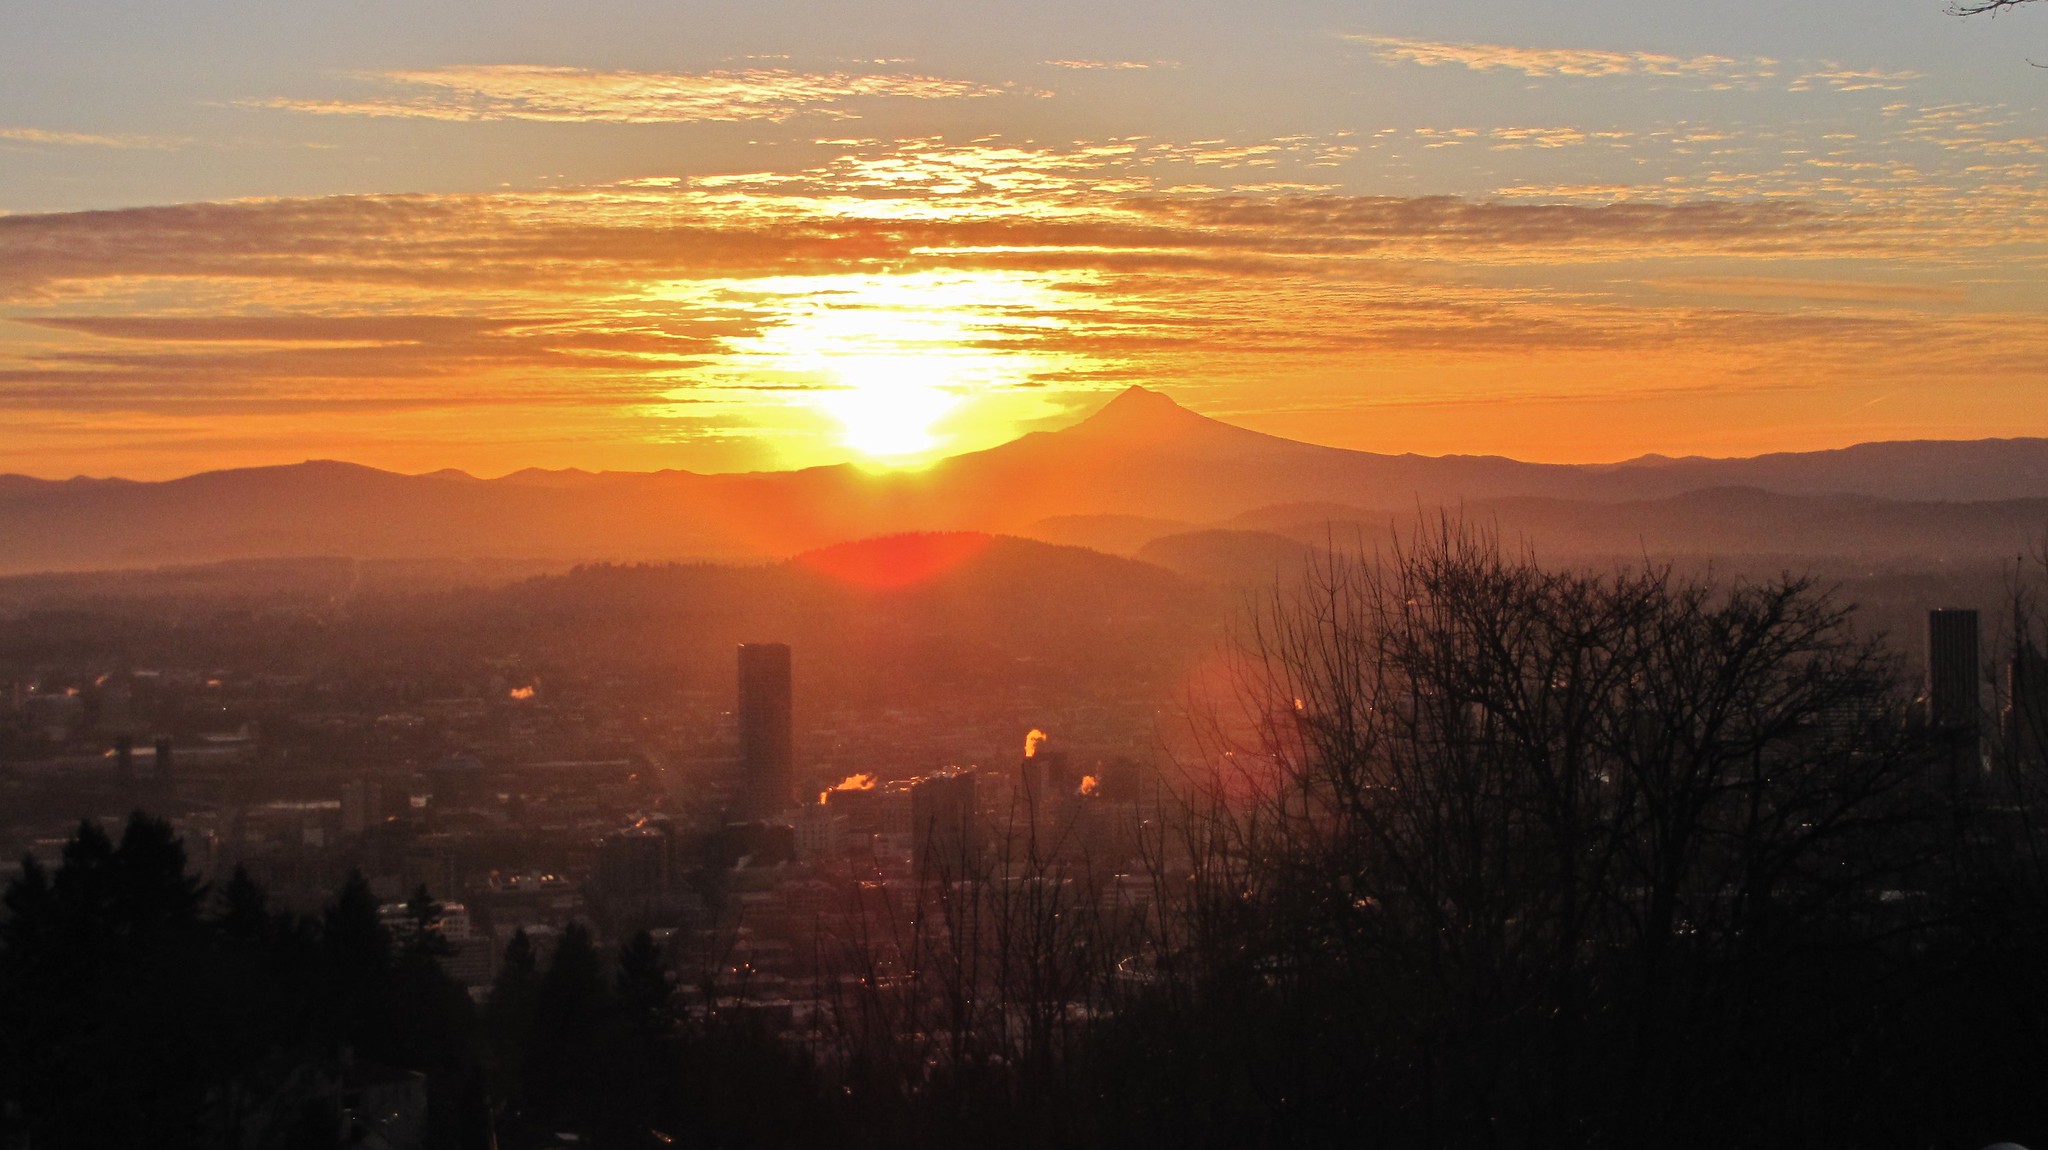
x,y
1506,138
1100,65
1842,79
1771,287
89,139
1596,63
1571,62
705,314
572,95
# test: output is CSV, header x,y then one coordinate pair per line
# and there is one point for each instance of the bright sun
x,y
887,406
902,367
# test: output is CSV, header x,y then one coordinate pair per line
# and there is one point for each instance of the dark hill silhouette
x,y
1114,534
1234,558
1005,611
1141,457
1745,521
1932,470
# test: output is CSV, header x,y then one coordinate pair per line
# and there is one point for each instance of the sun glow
x,y
903,368
888,405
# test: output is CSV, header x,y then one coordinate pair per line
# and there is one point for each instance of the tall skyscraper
x,y
2026,708
767,761
1952,696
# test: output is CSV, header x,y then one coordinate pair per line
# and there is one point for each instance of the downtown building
x,y
767,753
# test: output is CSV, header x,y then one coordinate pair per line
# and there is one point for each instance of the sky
x,y
738,236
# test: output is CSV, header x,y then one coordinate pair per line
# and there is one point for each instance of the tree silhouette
x,y
643,984
508,1019
355,993
566,1059
1543,844
424,916
244,914
105,994
128,1018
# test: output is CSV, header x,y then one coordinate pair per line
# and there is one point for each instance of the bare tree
x,y
1991,7
1472,804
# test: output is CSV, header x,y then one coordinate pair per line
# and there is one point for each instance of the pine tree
x,y
643,987
355,970
244,909
508,1019
566,1051
105,1000
425,916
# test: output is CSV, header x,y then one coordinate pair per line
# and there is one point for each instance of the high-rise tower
x,y
767,762
1952,695
2026,708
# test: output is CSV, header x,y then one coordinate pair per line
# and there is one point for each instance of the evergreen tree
x,y
150,891
354,999
244,915
105,1000
425,916
508,1019
647,1078
643,986
566,1053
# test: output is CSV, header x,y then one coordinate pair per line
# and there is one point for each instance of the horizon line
x,y
875,468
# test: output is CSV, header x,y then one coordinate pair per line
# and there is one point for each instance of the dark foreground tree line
x,y
139,1009
1477,854
1530,857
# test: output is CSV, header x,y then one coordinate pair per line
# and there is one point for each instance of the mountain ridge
x,y
1135,412
1141,456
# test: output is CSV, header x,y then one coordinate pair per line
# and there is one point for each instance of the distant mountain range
x,y
1138,472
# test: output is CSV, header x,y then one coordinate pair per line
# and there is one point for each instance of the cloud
x,y
991,208
82,395
1511,138
1101,65
1854,80
1485,231
619,288
89,140
1572,62
1019,266
1774,287
1598,63
1597,193
353,329
578,95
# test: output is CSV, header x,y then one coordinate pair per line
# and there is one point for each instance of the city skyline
x,y
898,575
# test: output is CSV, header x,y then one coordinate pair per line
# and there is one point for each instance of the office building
x,y
635,862
1952,674
2026,709
767,763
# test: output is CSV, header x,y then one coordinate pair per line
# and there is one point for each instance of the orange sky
x,y
1474,238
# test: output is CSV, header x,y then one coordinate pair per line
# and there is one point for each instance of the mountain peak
x,y
1139,410
1139,397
